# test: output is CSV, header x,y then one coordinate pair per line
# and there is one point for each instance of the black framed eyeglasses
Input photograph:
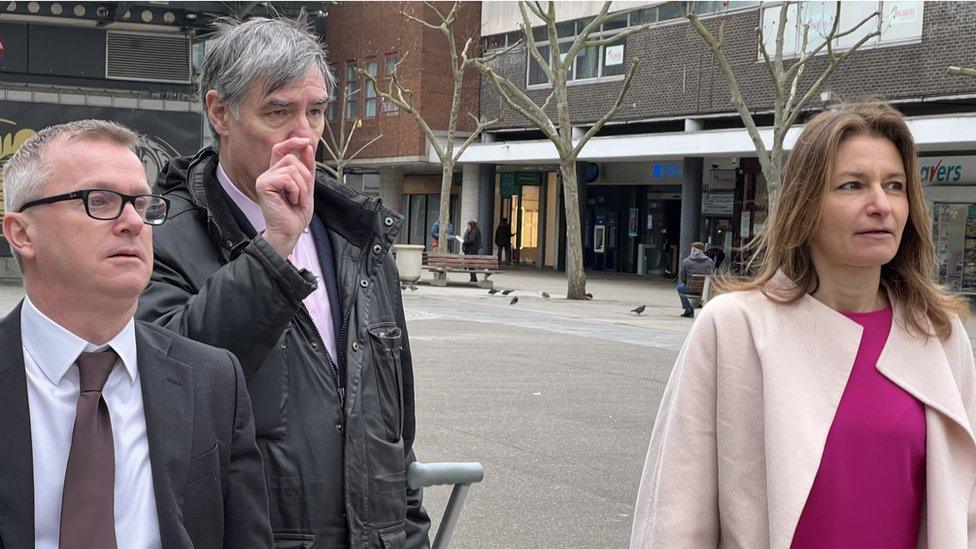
x,y
107,205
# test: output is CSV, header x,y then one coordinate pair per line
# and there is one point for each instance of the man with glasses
x,y
271,259
113,432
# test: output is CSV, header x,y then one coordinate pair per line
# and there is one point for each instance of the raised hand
x,y
285,193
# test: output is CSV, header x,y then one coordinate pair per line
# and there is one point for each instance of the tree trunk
x,y
444,217
575,274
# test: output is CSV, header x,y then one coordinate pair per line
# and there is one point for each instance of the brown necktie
x,y
88,500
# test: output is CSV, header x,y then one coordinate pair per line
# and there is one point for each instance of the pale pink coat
x,y
745,415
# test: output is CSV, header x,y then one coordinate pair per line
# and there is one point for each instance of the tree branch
x,y
544,64
482,126
361,149
815,88
616,37
421,21
492,56
612,112
960,71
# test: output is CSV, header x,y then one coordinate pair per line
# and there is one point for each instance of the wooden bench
x,y
441,264
696,289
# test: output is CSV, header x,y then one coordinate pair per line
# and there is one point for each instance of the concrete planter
x,y
409,261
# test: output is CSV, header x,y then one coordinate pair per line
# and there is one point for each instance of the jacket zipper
x,y
347,314
335,370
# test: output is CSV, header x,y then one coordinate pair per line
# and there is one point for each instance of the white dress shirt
x,y
50,352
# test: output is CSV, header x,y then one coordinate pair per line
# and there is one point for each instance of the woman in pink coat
x,y
830,400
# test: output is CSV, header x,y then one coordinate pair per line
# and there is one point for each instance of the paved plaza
x,y
555,398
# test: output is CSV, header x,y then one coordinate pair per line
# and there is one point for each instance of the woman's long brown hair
x,y
784,245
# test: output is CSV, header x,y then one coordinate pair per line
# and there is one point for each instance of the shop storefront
x,y
421,207
632,217
529,201
949,185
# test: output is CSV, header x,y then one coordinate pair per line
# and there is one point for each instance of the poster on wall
x,y
632,222
163,134
614,55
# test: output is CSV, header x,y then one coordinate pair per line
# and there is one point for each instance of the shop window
x,y
369,105
352,91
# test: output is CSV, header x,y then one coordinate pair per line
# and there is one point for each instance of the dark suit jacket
x,y
206,469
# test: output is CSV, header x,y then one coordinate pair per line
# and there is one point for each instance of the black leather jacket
x,y
335,467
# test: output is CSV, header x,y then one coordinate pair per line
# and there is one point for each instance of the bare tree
x,y
557,67
788,103
338,148
401,96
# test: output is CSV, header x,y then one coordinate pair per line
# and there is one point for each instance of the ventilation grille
x,y
148,57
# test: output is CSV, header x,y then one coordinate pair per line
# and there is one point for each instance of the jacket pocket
x,y
293,541
269,391
205,465
394,537
386,338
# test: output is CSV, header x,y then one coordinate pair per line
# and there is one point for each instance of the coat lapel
x,y
919,366
798,418
167,394
16,457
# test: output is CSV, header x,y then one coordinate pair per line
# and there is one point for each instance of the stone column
x,y
391,188
691,197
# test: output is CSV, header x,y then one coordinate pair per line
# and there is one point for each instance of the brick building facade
x,y
676,165
400,166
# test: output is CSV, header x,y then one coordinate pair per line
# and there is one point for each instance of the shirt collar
x,y
55,349
251,209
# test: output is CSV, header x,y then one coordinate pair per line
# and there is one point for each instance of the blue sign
x,y
668,169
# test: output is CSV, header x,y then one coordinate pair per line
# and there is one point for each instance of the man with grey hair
x,y
289,270
114,432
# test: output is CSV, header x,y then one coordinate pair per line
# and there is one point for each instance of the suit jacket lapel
x,y
167,395
16,457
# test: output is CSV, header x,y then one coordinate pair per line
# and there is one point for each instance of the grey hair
x,y
273,53
26,172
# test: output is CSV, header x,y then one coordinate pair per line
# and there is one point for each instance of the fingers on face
x,y
293,146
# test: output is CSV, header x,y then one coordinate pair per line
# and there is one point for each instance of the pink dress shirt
x,y
870,488
304,256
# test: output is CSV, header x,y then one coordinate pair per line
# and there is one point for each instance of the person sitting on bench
x,y
697,263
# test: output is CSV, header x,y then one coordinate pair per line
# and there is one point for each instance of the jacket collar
x,y
356,218
913,362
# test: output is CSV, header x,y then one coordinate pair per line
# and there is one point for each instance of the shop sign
x,y
947,170
664,170
722,180
720,204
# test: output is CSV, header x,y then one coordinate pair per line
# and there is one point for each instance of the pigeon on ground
x,y
413,288
506,292
513,301
544,294
589,296
493,291
639,310
403,286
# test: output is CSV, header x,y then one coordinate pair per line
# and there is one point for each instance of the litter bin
x,y
409,261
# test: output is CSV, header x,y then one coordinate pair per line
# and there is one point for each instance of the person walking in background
x,y
697,263
503,240
472,242
830,401
98,409
435,233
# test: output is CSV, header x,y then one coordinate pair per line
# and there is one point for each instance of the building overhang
x,y
953,132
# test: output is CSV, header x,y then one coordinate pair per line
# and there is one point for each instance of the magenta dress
x,y
870,488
